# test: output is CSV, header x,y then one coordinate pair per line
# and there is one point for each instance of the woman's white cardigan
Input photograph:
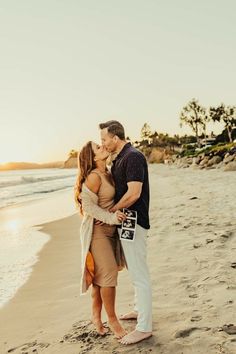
x,y
91,211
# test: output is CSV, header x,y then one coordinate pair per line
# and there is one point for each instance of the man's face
x,y
108,141
100,152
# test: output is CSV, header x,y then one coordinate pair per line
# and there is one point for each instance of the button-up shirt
x,y
130,165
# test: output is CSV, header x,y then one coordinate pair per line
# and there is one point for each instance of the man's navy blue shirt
x,y
130,165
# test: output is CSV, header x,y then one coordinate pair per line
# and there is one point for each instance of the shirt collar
x,y
123,151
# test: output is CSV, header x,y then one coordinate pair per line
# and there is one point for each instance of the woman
x,y
100,245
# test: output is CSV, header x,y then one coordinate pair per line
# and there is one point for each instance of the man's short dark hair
x,y
114,128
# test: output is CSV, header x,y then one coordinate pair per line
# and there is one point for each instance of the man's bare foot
x,y
129,316
135,337
99,326
117,329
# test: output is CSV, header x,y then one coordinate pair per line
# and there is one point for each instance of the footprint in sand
x,y
196,318
230,329
28,348
87,340
197,245
226,236
184,279
233,265
231,287
229,302
193,296
186,332
83,333
187,226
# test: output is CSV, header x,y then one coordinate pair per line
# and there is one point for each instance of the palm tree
x,y
73,153
146,132
227,114
194,115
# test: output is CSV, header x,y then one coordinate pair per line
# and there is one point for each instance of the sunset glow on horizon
x,y
66,67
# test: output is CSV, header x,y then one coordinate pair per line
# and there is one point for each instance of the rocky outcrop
x,y
214,161
159,155
71,162
231,166
208,160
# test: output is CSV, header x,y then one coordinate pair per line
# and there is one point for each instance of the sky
x,y
67,65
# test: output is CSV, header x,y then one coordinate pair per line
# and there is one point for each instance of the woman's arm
x,y
96,212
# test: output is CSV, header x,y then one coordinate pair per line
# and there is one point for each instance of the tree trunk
x,y
229,130
196,133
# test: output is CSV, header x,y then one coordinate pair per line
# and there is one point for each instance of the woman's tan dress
x,y
104,239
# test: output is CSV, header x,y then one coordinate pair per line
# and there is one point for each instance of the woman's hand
x,y
120,216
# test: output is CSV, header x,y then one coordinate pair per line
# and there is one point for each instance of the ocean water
x,y
24,185
28,199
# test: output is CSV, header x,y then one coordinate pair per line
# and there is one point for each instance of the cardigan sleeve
x,y
96,212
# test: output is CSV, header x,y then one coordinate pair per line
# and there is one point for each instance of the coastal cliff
x,y
71,162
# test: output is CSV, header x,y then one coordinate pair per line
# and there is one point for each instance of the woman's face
x,y
100,152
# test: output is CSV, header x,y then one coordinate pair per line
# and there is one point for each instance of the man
x,y
130,173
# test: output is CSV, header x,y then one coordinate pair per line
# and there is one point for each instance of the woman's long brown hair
x,y
85,164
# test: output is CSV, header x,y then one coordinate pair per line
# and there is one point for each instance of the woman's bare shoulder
x,y
93,181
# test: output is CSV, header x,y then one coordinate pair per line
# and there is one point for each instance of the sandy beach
x,y
192,260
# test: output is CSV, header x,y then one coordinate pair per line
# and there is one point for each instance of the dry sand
x,y
191,254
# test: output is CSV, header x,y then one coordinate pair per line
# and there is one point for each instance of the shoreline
x,y
43,289
15,271
33,201
21,240
191,249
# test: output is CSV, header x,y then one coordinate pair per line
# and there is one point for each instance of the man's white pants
x,y
136,259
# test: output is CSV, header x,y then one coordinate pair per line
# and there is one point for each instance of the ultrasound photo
x,y
130,213
129,223
127,234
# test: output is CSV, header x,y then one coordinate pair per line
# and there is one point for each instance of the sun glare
x,y
13,225
3,162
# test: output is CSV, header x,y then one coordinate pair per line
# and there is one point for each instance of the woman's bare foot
x,y
135,337
133,315
99,326
117,329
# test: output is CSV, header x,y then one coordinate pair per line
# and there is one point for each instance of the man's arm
x,y
130,197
